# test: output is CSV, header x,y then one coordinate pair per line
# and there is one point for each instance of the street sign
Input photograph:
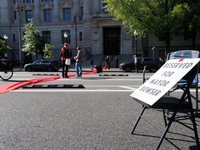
x,y
163,80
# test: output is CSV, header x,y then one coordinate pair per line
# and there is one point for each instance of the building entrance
x,y
112,41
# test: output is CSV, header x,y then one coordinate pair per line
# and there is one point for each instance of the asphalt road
x,y
99,116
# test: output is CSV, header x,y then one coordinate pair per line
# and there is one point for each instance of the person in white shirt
x,y
136,62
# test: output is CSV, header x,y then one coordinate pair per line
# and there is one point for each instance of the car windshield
x,y
45,62
37,62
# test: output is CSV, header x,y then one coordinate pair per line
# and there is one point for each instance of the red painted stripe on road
x,y
13,86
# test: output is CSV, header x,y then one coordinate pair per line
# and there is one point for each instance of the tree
x,y
33,42
3,47
160,18
192,19
47,51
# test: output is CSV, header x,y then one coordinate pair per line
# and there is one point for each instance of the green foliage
x,y
3,47
47,51
33,42
148,16
192,19
160,18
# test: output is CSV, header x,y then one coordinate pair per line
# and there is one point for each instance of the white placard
x,y
164,79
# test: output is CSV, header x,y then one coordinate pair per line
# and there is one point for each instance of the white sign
x,y
163,80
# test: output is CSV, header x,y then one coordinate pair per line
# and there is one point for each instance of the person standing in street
x,y
136,63
65,54
107,63
117,61
92,63
79,61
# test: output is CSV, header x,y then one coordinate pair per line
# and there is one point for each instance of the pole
x,y
6,45
76,30
19,18
136,45
6,50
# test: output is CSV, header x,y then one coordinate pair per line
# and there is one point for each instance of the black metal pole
x,y
19,18
76,30
136,45
6,50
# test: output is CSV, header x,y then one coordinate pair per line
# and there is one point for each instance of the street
x,y
98,116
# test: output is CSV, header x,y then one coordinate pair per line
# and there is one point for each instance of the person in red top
x,y
65,53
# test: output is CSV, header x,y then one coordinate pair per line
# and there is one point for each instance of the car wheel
x,y
128,69
49,69
28,69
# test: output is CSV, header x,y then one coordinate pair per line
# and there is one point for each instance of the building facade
x,y
94,30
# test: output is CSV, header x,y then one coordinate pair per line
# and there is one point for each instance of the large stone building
x,y
94,30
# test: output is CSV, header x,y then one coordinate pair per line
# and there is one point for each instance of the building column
x,y
87,9
56,11
36,11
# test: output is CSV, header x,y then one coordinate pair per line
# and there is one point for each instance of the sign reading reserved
x,y
163,80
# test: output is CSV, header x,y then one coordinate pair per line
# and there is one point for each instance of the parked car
x,y
43,65
151,64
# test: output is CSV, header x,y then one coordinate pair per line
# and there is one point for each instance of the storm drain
x,y
55,86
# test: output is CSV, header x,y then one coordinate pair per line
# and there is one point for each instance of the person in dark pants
x,y
65,54
136,63
117,61
107,63
92,63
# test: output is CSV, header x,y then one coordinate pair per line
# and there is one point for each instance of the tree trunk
x,y
167,44
194,34
36,55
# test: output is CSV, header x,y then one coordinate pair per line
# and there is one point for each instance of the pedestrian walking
x,y
92,63
107,63
117,61
79,61
65,54
136,63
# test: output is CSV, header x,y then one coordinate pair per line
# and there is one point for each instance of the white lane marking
x,y
126,79
77,90
53,90
126,87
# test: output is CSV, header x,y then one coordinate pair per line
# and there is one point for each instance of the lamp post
x,y
5,38
135,34
66,36
19,9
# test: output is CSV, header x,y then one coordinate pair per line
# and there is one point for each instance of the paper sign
x,y
163,80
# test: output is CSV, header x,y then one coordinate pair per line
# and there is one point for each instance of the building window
x,y
13,38
80,36
28,1
67,14
29,15
47,15
81,13
68,39
47,0
47,36
104,4
15,15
